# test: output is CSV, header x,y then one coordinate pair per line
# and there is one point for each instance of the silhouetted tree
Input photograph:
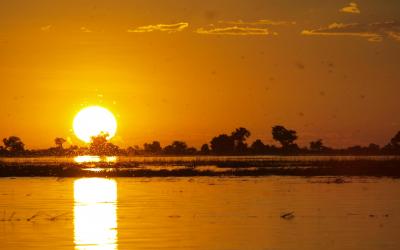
x,y
239,137
59,142
100,146
191,151
205,149
240,134
317,146
393,147
14,144
395,141
284,136
176,148
154,147
222,144
258,147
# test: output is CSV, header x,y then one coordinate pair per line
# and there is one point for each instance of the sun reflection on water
x,y
95,214
95,159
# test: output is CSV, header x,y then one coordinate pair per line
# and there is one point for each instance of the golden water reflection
x,y
95,159
95,214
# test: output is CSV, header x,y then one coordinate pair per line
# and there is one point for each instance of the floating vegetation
x,y
288,216
53,218
33,216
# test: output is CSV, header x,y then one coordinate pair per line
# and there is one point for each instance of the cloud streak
x,y
46,28
169,28
243,28
373,32
85,30
235,31
351,8
260,22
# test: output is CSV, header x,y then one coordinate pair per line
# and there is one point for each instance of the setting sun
x,y
201,124
93,121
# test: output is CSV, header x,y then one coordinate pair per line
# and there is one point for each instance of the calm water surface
x,y
199,213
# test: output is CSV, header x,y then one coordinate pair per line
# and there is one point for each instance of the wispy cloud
x,y
235,31
373,32
85,30
351,8
260,22
46,28
243,28
169,28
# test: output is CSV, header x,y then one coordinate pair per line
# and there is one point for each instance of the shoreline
x,y
357,167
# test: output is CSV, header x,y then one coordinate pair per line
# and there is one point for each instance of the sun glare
x,y
93,121
95,214
95,159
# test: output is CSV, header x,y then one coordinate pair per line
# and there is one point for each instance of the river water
x,y
199,213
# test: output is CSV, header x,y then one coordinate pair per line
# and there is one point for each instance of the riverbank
x,y
206,167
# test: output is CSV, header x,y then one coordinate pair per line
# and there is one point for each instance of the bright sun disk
x,y
93,121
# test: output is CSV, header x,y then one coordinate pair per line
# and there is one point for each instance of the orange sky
x,y
190,70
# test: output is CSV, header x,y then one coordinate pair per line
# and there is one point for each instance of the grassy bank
x,y
386,168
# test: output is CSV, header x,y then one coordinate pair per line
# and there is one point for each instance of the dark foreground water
x,y
199,213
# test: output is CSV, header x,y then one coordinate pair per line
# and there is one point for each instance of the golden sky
x,y
190,70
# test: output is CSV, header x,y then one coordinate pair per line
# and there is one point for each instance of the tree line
x,y
234,143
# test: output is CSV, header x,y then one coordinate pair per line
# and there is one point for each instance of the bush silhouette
x,y
14,144
153,148
258,147
176,148
223,144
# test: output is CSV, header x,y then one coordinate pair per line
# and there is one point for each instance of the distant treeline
x,y
234,143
